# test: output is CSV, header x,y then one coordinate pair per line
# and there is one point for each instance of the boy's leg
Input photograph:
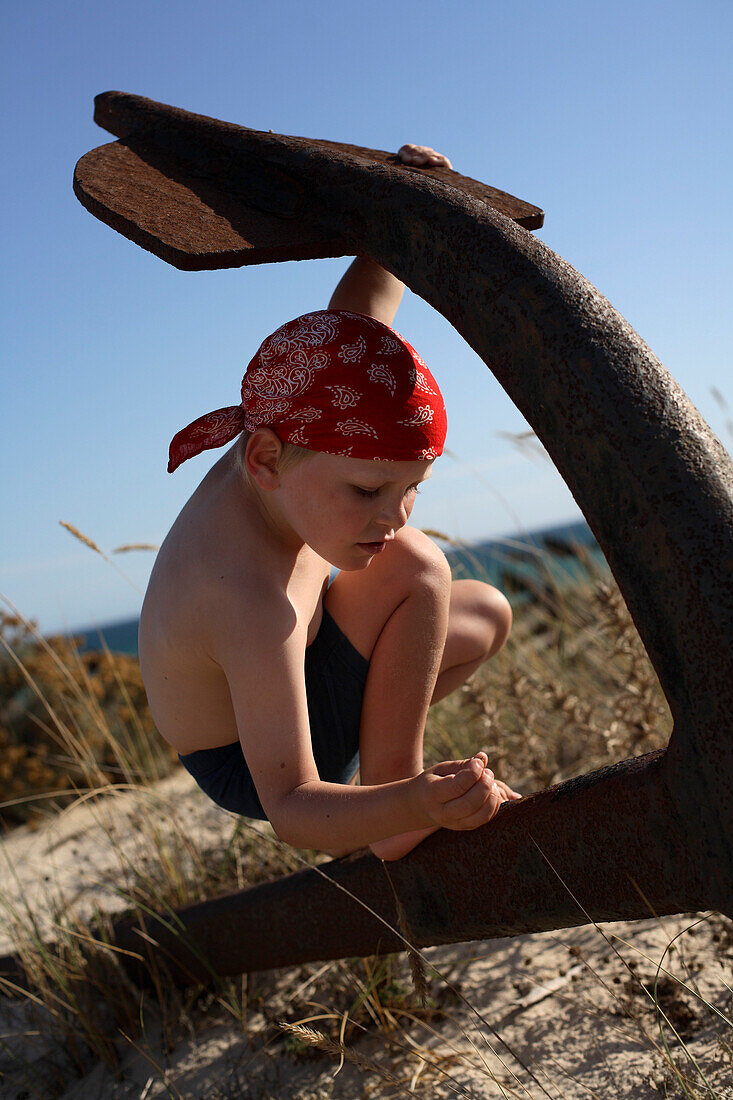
x,y
422,635
480,620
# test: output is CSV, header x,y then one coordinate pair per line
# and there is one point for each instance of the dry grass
x,y
69,722
573,690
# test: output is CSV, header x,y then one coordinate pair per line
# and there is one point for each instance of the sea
x,y
524,567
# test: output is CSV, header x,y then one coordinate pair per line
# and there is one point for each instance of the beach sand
x,y
564,1012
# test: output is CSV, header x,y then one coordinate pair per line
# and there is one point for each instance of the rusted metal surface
x,y
611,838
651,835
197,193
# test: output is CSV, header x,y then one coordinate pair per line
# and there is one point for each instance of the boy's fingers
x,y
479,803
457,784
450,767
485,813
466,799
507,791
422,154
447,767
480,756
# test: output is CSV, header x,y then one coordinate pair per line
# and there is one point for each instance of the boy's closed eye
x,y
373,492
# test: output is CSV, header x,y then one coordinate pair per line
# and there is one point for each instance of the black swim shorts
x,y
335,675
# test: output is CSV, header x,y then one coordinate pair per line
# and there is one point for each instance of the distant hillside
x,y
523,567
120,637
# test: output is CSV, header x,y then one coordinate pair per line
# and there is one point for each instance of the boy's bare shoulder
x,y
208,582
249,613
248,606
221,588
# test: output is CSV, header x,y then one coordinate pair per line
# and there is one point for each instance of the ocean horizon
x,y
521,566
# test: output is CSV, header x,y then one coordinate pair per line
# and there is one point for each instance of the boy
x,y
273,686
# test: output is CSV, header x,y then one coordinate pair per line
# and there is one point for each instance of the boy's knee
x,y
421,562
491,613
498,612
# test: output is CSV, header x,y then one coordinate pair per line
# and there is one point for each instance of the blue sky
x,y
615,118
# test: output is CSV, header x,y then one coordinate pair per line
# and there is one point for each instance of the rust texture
x,y
649,835
197,193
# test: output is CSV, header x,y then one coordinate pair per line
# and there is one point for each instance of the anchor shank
x,y
605,847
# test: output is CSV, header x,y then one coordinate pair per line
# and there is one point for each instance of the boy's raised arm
x,y
366,287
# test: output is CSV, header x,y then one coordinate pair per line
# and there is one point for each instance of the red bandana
x,y
331,381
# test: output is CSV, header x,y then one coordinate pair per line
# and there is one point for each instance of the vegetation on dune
x,y
69,722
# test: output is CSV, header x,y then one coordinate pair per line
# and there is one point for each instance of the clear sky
x,y
615,118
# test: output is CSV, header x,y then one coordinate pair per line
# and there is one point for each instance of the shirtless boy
x,y
273,686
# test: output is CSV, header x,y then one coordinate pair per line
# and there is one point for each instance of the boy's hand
x,y
460,794
422,156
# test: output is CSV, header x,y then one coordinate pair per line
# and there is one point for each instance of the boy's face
x,y
347,509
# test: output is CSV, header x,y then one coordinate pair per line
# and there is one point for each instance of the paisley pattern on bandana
x,y
356,427
422,415
343,397
389,346
420,382
313,369
312,329
352,353
379,373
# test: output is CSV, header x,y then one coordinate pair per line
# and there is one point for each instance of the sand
x,y
560,1014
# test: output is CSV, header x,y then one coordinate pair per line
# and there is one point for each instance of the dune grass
x,y
572,690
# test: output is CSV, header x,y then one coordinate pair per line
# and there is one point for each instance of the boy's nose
x,y
394,515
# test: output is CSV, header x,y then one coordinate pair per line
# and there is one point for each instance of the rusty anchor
x,y
650,835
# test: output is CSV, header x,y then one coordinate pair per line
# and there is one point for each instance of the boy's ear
x,y
261,457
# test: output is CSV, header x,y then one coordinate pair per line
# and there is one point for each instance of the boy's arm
x,y
456,794
264,669
368,288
